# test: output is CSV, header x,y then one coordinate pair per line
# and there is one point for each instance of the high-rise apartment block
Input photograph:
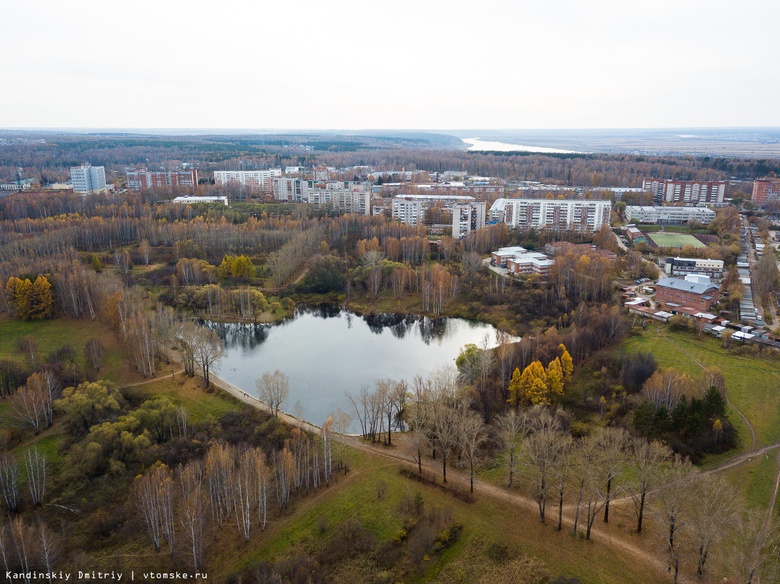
x,y
410,209
691,192
142,179
343,196
766,190
468,218
555,214
88,179
257,180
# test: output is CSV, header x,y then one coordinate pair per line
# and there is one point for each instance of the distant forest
x,y
47,157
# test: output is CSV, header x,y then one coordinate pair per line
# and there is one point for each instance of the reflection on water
x,y
328,352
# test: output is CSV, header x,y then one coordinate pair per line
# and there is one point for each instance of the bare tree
x,y
612,443
541,450
674,499
752,555
9,480
145,249
645,460
29,348
28,407
49,549
208,352
94,353
6,546
220,464
273,389
245,492
23,537
154,496
35,464
445,407
262,484
47,388
418,419
341,422
713,510
562,471
511,428
326,438
192,518
185,336
470,437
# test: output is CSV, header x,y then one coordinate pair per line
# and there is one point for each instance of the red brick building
x,y
674,292
138,180
766,190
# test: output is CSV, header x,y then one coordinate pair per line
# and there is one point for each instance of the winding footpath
x,y
457,478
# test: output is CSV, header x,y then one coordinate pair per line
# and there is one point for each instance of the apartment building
x,y
288,190
669,215
467,218
692,192
343,196
410,209
141,179
766,190
555,214
257,180
88,179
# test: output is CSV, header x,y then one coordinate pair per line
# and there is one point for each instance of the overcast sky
x,y
410,64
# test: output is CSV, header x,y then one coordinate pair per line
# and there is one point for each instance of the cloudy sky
x,y
404,64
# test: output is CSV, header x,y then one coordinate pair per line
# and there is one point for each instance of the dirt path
x,y
161,377
772,503
458,478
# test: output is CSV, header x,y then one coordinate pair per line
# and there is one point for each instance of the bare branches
x,y
273,389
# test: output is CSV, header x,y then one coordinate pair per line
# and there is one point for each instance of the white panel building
x,y
410,209
668,215
254,179
467,218
87,178
556,214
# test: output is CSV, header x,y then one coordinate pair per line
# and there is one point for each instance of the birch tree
x,y
9,481
49,549
192,518
35,464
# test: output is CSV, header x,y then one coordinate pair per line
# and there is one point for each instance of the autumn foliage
x,y
30,300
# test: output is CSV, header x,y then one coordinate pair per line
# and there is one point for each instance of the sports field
x,y
674,239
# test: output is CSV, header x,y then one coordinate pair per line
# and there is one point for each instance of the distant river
x,y
330,352
475,145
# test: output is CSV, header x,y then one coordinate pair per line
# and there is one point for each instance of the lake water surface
x,y
329,353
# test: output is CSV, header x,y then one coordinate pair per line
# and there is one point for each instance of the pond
x,y
329,352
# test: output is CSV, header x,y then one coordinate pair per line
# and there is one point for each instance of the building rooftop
x,y
686,286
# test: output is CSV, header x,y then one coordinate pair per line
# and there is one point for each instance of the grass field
x,y
752,384
50,335
674,240
201,406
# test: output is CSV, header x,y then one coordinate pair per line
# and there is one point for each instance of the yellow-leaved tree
x,y
530,386
555,377
567,364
